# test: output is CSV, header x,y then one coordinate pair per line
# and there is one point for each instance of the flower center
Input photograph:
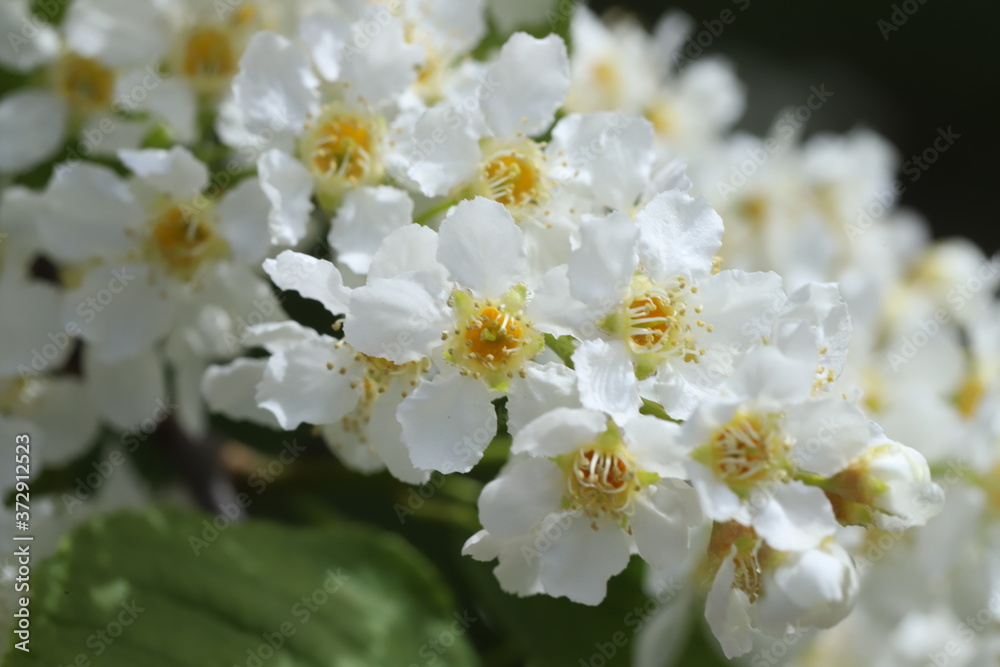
x,y
19,394
663,117
513,175
750,555
602,482
747,450
970,395
654,322
84,83
340,149
377,376
511,179
491,339
209,54
184,239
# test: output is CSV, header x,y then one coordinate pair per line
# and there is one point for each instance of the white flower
x,y
488,151
137,252
318,379
476,327
618,67
322,144
652,289
104,73
579,495
889,486
775,592
756,447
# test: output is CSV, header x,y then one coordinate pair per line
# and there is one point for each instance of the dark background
x,y
940,69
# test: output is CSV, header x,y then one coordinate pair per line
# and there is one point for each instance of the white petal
x,y
531,78
365,217
741,306
120,310
445,152
129,391
525,492
816,589
378,67
448,423
386,437
601,269
606,379
828,433
326,37
458,24
795,517
289,187
554,311
654,444
482,247
610,154
243,221
32,128
580,560
174,102
117,32
312,278
66,411
33,334
543,388
356,454
175,172
231,390
274,336
86,213
409,248
771,377
399,319
559,431
678,236
659,526
303,383
726,611
28,43
275,89
718,501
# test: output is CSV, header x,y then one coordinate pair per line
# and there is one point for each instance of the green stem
x,y
424,217
812,479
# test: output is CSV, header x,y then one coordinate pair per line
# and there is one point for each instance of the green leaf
x,y
563,346
130,590
556,632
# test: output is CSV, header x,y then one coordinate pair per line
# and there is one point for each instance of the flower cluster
x,y
728,375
